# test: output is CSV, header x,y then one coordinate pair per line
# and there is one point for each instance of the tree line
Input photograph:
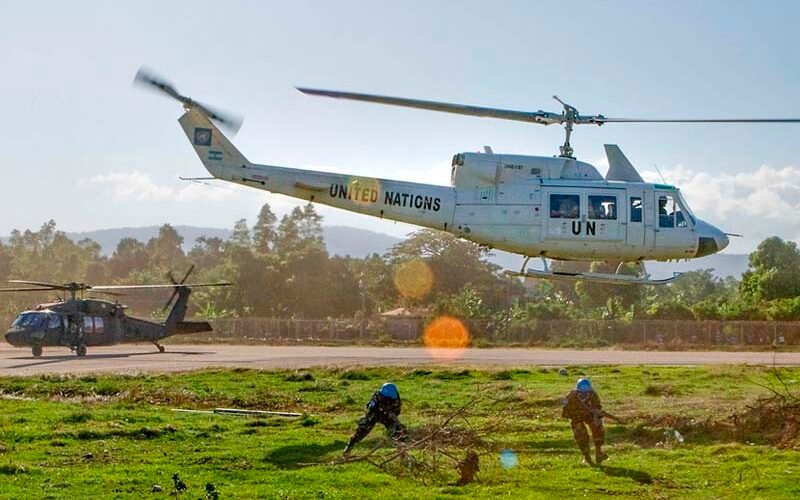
x,y
281,268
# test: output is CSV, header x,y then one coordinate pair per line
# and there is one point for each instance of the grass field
x,y
115,436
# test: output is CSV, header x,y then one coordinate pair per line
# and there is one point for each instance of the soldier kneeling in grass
x,y
382,408
582,407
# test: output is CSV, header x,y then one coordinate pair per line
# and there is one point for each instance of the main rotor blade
x,y
30,289
115,294
601,120
53,286
154,287
541,117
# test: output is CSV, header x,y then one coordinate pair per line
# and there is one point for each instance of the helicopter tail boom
x,y
178,311
422,204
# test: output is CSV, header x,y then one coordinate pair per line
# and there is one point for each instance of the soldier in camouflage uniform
x,y
582,407
384,408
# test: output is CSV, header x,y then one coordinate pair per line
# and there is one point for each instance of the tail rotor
x,y
178,285
149,79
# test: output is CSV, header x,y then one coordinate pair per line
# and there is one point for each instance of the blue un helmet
x,y
583,385
389,390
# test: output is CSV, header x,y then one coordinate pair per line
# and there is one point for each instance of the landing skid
x,y
160,347
607,278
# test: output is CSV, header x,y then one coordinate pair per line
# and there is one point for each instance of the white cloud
x,y
138,186
757,204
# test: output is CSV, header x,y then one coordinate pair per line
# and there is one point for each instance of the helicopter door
x,y
636,218
565,215
674,234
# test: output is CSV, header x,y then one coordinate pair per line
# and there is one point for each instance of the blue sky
x,y
84,147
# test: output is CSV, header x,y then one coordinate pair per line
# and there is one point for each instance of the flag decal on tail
x,y
215,155
202,137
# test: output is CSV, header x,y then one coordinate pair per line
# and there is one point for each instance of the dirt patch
x,y
660,390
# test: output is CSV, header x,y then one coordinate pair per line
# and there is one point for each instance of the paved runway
x,y
144,358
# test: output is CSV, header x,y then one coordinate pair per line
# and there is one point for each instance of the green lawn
x,y
115,436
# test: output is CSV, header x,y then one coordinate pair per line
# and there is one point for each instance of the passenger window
x,y
87,324
565,206
99,327
602,207
636,209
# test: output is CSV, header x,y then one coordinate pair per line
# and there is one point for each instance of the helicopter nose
x,y
13,337
711,239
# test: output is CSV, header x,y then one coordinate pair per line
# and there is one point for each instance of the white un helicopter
x,y
537,206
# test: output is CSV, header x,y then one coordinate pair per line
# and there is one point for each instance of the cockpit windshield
x,y
686,208
30,320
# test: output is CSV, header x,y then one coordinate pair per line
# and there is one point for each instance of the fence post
x,y
644,332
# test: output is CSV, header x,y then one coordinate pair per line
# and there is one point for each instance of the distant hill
x,y
357,242
109,238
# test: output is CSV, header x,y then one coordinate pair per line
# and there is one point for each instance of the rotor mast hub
x,y
568,119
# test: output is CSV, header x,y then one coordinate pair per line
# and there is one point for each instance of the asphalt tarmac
x,y
145,358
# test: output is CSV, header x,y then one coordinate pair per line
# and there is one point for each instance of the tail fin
x,y
214,149
178,312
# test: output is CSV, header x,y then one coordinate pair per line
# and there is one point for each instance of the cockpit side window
x,y
670,213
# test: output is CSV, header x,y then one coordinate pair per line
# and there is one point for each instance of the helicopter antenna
x,y
660,174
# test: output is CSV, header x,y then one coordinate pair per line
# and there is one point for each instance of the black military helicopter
x,y
78,322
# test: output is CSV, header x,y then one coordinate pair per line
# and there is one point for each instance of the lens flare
x,y
446,338
413,279
361,190
508,459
